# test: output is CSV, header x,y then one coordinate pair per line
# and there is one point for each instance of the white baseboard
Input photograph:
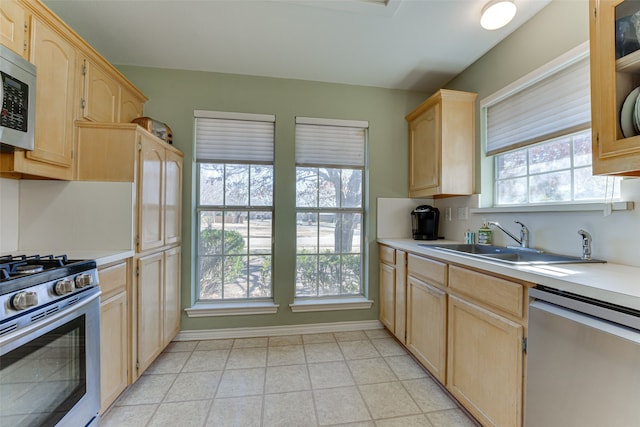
x,y
314,328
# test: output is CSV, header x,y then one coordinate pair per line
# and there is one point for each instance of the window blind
x,y
556,105
229,137
330,142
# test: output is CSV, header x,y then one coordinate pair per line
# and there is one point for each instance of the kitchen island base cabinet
x,y
114,332
485,363
426,326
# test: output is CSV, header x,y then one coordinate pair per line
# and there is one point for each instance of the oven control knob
x,y
83,280
24,299
64,286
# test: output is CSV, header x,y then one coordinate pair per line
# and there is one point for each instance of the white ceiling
x,y
402,44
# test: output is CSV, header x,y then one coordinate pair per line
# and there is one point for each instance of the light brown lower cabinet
x,y
114,336
467,328
426,325
392,290
150,272
485,362
158,305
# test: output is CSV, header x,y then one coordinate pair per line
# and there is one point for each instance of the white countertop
x,y
614,283
101,257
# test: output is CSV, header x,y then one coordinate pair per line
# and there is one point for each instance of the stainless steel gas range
x,y
49,341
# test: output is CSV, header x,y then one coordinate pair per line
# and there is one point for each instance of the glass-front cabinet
x,y
615,86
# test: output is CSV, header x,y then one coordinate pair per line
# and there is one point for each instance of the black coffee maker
x,y
424,221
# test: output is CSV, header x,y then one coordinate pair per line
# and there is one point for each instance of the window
x,y
234,155
330,176
538,129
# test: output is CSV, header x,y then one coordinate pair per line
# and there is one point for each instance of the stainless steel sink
x,y
510,255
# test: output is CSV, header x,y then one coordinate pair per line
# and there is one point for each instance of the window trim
x,y
230,306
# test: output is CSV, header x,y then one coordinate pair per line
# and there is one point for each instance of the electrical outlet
x,y
463,213
447,214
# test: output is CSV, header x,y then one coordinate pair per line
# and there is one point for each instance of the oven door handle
x,y
46,321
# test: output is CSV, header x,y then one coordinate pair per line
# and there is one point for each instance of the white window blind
x,y
235,137
557,104
322,142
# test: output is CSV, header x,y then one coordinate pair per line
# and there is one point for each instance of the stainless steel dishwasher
x,y
583,362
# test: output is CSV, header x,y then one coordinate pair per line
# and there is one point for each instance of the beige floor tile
x,y
330,374
322,352
318,338
168,363
183,414
388,400
286,355
450,418
285,340
388,347
282,379
362,424
358,349
410,421
148,389
251,342
241,382
370,371
350,336
289,410
175,346
340,405
428,395
236,412
211,360
241,358
377,333
194,386
405,367
214,345
128,416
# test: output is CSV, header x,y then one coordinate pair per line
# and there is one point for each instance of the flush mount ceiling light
x,y
497,13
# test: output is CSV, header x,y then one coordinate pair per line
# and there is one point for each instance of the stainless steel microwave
x,y
18,101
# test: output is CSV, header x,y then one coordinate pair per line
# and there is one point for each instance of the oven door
x,y
50,370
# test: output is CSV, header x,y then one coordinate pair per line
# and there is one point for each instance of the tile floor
x,y
356,378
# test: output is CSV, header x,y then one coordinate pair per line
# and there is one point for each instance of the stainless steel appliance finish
x,y
18,95
49,342
583,362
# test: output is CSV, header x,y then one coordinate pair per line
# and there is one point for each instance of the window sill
x,y
332,304
240,308
574,207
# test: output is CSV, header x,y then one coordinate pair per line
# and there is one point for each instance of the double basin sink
x,y
509,255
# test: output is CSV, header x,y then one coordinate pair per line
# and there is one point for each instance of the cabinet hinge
x,y
82,103
598,140
137,365
524,345
595,12
84,68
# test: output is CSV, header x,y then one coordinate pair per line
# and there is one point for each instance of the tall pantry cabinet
x,y
127,153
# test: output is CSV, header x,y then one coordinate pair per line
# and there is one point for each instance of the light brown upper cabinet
x,y
14,27
100,100
615,76
442,145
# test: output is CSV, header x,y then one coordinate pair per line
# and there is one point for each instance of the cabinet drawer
x,y
430,271
387,254
491,291
113,279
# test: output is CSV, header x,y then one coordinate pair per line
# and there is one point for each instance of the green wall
x,y
174,94
556,29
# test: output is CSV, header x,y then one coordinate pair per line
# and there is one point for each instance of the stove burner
x,y
12,266
29,269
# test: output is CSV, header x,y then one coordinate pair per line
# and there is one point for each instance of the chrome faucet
x,y
523,241
586,244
